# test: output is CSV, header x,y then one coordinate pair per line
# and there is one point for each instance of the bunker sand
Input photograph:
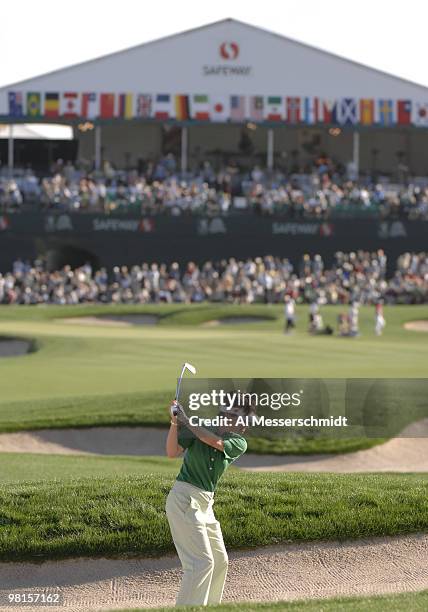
x,y
87,441
13,347
407,453
112,320
283,572
235,321
419,326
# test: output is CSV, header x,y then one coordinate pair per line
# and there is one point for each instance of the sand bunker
x,y
147,319
283,572
14,347
87,441
113,320
419,326
408,453
235,321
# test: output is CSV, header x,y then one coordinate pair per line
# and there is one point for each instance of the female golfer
x,y
189,506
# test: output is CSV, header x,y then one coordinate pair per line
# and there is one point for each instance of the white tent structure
x,y
36,131
213,80
32,131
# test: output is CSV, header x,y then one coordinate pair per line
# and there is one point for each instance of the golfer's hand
x,y
173,411
181,415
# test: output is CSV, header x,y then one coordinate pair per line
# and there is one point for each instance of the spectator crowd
x,y
160,188
358,276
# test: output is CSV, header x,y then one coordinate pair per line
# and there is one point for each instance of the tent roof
x,y
276,65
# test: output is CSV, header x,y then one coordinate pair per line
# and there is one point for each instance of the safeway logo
x,y
229,50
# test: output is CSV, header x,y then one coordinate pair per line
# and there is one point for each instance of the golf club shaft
x,y
191,369
177,390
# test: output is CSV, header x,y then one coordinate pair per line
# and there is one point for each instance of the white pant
x,y
379,325
199,542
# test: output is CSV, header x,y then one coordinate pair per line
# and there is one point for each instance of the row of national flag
x,y
221,108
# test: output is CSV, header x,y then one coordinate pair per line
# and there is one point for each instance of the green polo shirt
x,y
203,465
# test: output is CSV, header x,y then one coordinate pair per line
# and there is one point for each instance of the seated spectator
x,y
156,186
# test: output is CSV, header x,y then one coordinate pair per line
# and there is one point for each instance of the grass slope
x,y
125,515
27,467
404,602
145,409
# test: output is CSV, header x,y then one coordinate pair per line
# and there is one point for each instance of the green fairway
x,y
125,515
101,375
87,375
404,602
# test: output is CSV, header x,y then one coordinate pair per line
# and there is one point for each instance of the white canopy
x,y
37,131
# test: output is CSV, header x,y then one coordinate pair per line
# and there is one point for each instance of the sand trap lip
x,y
14,347
113,320
282,572
418,326
235,321
407,453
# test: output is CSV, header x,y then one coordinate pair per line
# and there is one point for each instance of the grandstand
x,y
173,158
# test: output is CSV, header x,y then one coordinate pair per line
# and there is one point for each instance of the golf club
x,y
186,366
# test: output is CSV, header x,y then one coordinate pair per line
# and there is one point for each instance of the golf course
x,y
115,367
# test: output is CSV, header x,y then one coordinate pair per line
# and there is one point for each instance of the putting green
x,y
119,371
76,360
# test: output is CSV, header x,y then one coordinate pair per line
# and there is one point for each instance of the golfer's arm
x,y
206,436
173,449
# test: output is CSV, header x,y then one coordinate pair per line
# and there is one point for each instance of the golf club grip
x,y
175,410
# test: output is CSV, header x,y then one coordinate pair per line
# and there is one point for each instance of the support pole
x,y
10,151
184,146
270,148
97,147
356,152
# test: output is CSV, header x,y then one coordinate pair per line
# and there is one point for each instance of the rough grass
x,y
403,602
125,515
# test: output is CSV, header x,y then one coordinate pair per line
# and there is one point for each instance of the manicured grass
x,y
125,515
83,376
403,602
169,314
26,467
75,361
308,446
148,409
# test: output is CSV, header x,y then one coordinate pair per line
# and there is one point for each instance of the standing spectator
x,y
313,313
354,312
342,324
289,313
379,319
